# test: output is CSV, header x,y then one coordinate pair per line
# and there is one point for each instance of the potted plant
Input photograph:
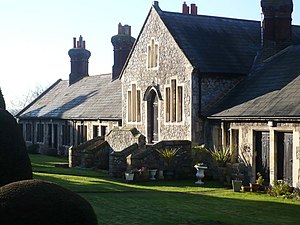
x,y
222,156
237,176
168,155
259,183
200,167
129,176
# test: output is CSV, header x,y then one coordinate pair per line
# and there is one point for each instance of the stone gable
x,y
172,64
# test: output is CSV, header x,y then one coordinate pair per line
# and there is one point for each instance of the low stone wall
x,y
120,161
120,139
91,154
181,164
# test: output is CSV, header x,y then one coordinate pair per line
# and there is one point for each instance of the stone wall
x,y
91,154
120,161
172,64
247,145
214,87
182,163
120,139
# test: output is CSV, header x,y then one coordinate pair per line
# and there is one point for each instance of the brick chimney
x,y
276,25
194,9
186,9
122,43
79,60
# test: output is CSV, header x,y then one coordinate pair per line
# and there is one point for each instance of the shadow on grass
x,y
173,202
176,203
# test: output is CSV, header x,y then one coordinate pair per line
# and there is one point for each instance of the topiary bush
x,y
36,202
2,101
14,161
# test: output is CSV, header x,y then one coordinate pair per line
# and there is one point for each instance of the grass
x,y
166,202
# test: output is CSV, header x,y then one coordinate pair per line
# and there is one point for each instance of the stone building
x,y
219,81
204,79
70,112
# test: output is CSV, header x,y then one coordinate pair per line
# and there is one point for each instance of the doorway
x,y
152,117
262,161
285,157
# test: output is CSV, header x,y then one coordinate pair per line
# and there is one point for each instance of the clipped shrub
x,y
36,202
2,101
33,149
14,161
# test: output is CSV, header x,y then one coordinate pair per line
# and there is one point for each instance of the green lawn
x,y
176,202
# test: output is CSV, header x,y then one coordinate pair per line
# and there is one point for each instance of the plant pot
x,y
254,187
152,174
129,176
246,188
236,185
161,175
200,174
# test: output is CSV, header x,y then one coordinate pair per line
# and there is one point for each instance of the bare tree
x,y
20,103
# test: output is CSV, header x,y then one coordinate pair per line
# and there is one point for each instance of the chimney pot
x,y
194,9
185,8
74,42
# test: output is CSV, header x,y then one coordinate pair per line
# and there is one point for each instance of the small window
x,y
103,130
168,103
40,133
152,59
179,103
95,131
66,132
28,132
81,134
138,103
173,89
129,107
134,104
174,102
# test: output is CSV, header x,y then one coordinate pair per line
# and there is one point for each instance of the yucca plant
x,y
222,155
168,154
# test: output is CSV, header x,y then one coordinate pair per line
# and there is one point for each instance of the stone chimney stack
x,y
122,43
276,25
79,60
186,9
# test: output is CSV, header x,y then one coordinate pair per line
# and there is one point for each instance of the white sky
x,y
35,35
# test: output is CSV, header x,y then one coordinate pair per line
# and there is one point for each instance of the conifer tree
x,y
2,102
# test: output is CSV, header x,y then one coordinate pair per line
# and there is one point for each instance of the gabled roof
x,y
270,91
215,44
93,97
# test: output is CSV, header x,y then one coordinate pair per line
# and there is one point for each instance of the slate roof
x,y
215,44
93,97
272,90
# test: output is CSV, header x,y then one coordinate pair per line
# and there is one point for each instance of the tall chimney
x,y
194,9
122,43
79,60
277,26
185,8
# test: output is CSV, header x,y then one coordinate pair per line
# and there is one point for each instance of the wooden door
x,y
285,157
152,118
262,144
